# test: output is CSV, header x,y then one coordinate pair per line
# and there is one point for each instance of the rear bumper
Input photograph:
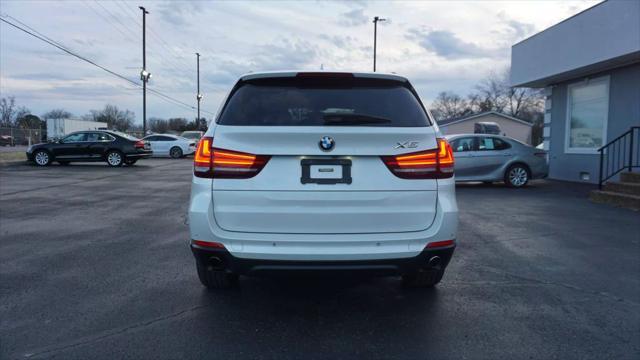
x,y
222,260
322,247
141,154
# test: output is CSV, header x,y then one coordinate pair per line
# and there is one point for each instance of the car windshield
x,y
326,102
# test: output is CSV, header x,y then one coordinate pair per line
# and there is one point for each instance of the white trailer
x,y
57,128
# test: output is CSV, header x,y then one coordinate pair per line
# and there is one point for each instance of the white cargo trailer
x,y
57,128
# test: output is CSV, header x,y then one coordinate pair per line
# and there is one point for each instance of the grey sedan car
x,y
489,158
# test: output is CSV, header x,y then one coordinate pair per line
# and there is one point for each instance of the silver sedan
x,y
489,158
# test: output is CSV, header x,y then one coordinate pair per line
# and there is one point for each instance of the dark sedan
x,y
114,147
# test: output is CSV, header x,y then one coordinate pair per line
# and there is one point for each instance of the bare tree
x,y
158,125
524,102
449,105
57,114
115,118
490,94
494,93
7,111
178,124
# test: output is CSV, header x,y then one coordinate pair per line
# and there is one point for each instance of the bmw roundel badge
x,y
326,143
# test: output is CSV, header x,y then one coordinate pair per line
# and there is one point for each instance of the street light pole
x,y
198,95
375,38
144,75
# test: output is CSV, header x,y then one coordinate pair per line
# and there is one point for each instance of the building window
x,y
587,112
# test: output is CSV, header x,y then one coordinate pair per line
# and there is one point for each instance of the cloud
x,y
180,12
236,37
285,54
341,41
448,45
45,75
520,29
355,17
515,30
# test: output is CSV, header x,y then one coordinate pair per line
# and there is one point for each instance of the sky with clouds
x,y
439,45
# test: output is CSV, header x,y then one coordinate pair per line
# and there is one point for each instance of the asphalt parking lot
x,y
94,264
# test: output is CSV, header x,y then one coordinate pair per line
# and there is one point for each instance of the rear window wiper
x,y
353,119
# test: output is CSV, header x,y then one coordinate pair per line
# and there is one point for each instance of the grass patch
x,y
12,156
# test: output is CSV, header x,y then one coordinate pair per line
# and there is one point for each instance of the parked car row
x,y
113,147
489,158
170,145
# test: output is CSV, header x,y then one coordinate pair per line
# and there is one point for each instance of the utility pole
x,y
198,95
375,38
144,74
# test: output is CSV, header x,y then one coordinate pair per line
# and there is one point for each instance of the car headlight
x,y
29,148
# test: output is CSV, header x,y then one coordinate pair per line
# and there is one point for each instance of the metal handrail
x,y
616,164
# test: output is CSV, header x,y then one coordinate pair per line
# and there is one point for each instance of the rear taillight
x,y
202,158
208,244
139,144
210,162
439,244
430,164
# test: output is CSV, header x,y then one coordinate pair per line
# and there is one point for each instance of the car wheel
x,y
42,158
215,279
422,279
114,158
130,162
63,163
516,176
175,152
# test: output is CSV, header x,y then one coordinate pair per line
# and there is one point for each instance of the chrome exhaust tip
x,y
434,262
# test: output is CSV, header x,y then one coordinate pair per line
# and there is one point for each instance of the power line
x,y
153,33
69,52
133,33
106,19
167,61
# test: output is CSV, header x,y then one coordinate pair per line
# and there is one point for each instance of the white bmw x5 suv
x,y
319,171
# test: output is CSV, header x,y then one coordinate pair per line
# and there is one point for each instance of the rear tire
x,y
215,279
115,158
175,152
517,176
422,279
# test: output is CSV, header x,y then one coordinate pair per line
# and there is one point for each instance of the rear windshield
x,y
323,102
126,136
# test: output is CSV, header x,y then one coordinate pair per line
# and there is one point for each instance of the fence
x,y
17,137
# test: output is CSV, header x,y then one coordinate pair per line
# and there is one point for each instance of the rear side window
x,y
324,102
463,144
492,144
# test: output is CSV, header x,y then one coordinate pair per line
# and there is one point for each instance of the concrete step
x,y
618,199
623,187
631,177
